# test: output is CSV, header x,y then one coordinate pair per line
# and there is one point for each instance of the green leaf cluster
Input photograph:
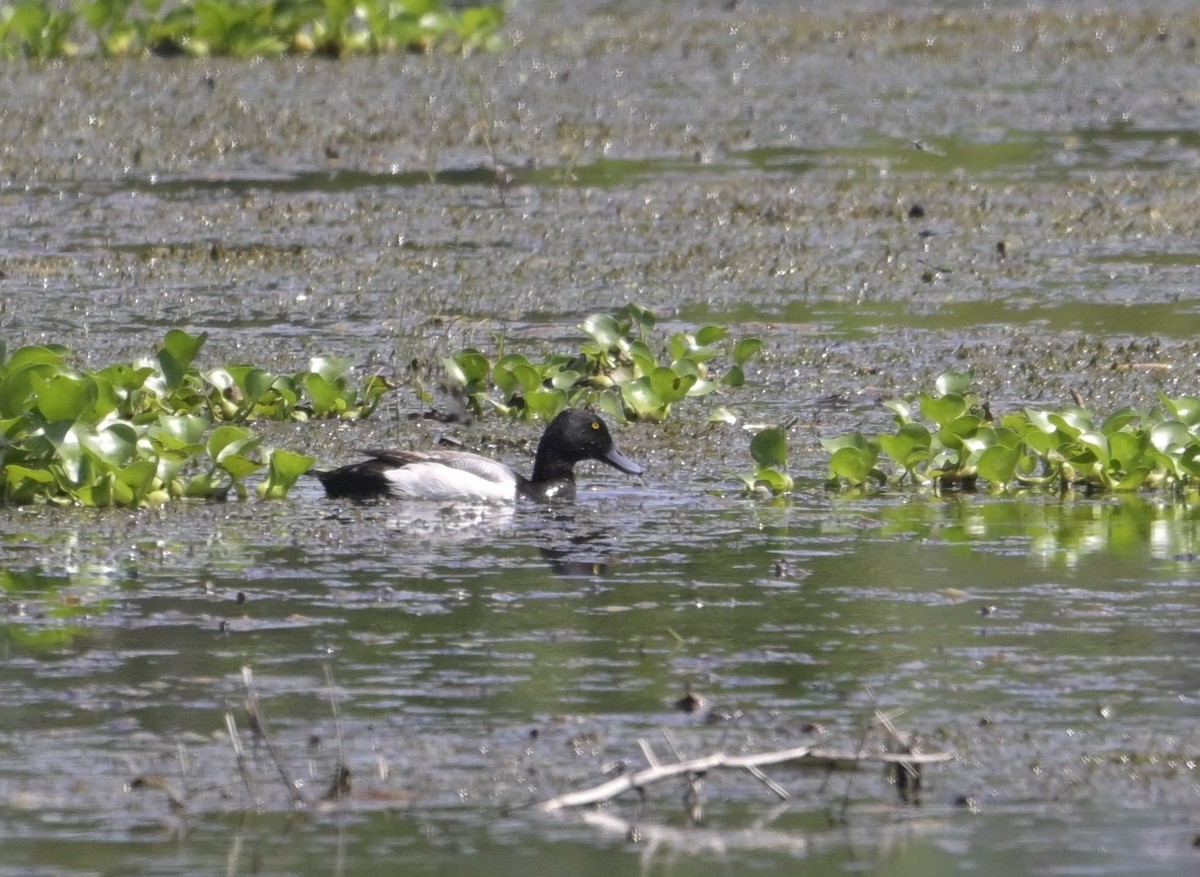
x,y
243,28
949,439
142,433
769,450
615,370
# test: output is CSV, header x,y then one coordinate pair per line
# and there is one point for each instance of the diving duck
x,y
573,436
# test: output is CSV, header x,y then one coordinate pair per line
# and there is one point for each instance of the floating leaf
x,y
942,409
1185,409
1170,435
707,336
642,400
604,329
745,350
998,464
856,465
331,368
177,354
1118,420
669,385
64,396
284,469
953,383
769,447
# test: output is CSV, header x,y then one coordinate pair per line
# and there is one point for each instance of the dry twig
x,y
750,763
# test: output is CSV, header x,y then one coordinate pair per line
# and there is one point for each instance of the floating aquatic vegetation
x,y
243,28
951,439
142,433
617,370
768,447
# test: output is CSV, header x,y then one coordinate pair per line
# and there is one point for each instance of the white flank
x,y
437,481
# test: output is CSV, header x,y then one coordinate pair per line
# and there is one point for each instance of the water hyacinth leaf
x,y
1189,461
686,366
979,440
1072,421
545,403
670,386
855,465
720,414
1166,464
22,483
909,445
181,431
177,354
53,355
114,445
454,371
902,409
64,396
239,466
101,492
964,427
1185,409
604,329
1002,435
643,358
252,382
205,486
564,380
109,401
469,367
1170,435
734,376
1133,479
138,476
998,464
327,398
707,336
641,399
331,368
1043,442
745,350
284,469
768,447
373,391
1016,422
942,409
953,383
1118,420
684,344
681,345
17,386
946,460
69,454
227,440
513,375
772,480
640,316
852,439
1127,448
1097,443
610,403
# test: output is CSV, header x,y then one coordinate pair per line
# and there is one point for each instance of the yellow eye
x,y
595,424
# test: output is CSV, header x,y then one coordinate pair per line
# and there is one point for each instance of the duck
x,y
573,436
